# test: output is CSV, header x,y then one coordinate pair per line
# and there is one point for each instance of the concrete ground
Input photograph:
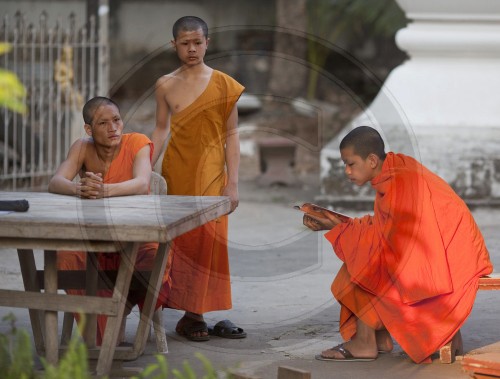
x,y
281,276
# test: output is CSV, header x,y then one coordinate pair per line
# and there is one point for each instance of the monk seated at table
x,y
411,270
109,163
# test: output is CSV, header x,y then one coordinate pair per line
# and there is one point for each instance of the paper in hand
x,y
319,211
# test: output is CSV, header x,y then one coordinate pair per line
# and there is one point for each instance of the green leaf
x,y
5,47
12,92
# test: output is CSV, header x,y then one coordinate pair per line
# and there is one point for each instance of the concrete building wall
x,y
55,9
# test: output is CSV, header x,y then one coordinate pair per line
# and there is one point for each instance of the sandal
x,y
188,330
226,329
346,356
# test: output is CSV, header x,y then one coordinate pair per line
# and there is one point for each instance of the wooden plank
x,y
484,360
91,276
486,363
28,273
71,245
113,324
481,376
67,328
160,218
75,279
286,372
58,302
160,332
490,282
51,340
154,286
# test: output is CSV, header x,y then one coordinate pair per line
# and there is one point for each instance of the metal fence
x,y
61,66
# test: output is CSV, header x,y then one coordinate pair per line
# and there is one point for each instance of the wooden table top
x,y
140,218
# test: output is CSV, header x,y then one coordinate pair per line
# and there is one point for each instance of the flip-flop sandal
x,y
226,329
187,330
347,356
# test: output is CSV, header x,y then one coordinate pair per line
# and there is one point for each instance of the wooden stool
x,y
487,283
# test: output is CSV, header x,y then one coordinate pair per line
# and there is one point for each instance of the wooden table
x,y
57,222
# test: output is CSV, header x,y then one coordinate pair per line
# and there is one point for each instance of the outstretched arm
x,y
232,159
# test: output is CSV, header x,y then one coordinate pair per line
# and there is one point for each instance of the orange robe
x,y
414,265
120,170
197,274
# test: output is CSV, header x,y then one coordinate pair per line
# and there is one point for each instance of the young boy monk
x,y
109,164
197,106
411,270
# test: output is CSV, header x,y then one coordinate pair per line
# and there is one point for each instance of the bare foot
x,y
384,341
186,321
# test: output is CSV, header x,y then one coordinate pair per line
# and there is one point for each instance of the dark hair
x,y
189,23
91,106
365,141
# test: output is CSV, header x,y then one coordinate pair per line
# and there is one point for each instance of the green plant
x,y
16,360
16,356
12,91
159,370
73,364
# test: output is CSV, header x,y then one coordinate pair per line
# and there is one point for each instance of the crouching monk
x,y
109,164
411,269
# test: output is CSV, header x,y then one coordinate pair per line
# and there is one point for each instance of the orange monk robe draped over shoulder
x,y
198,278
414,265
120,170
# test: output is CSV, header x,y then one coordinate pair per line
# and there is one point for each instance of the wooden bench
x,y
486,283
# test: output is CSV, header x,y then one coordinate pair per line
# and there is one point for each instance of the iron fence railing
x,y
61,66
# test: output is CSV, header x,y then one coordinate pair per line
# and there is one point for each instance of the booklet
x,y
319,211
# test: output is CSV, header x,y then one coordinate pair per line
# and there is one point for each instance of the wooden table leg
x,y
28,273
91,278
148,308
51,340
120,293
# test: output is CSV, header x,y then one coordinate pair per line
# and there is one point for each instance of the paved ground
x,y
281,276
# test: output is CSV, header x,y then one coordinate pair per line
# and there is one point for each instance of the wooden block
x,y
482,364
285,372
445,355
490,282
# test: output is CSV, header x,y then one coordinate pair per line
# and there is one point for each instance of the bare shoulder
x,y
83,146
167,82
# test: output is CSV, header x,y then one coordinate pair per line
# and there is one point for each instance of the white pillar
x,y
442,105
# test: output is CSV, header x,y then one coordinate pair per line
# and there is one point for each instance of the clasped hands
x,y
90,186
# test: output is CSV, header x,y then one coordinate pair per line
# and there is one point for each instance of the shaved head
x,y
91,106
365,141
189,24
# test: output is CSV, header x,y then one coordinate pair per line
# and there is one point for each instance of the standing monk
x,y
109,164
197,106
411,270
